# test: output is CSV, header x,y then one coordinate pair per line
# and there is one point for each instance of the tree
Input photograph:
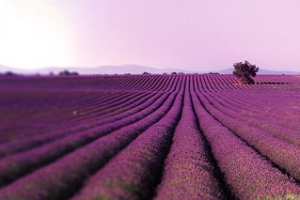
x,y
245,71
9,73
67,73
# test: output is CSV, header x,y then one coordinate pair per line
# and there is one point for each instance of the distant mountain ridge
x,y
124,69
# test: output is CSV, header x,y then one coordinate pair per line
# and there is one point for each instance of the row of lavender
x,y
36,99
110,107
95,82
257,164
69,108
56,151
164,137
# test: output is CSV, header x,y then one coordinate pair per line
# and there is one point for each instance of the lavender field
x,y
149,137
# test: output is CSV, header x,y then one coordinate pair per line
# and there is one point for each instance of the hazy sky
x,y
187,34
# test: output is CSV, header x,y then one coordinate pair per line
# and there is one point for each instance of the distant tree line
x,y
9,73
62,73
67,73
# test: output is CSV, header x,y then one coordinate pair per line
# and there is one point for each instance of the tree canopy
x,y
245,72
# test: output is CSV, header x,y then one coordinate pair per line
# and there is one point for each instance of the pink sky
x,y
185,34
